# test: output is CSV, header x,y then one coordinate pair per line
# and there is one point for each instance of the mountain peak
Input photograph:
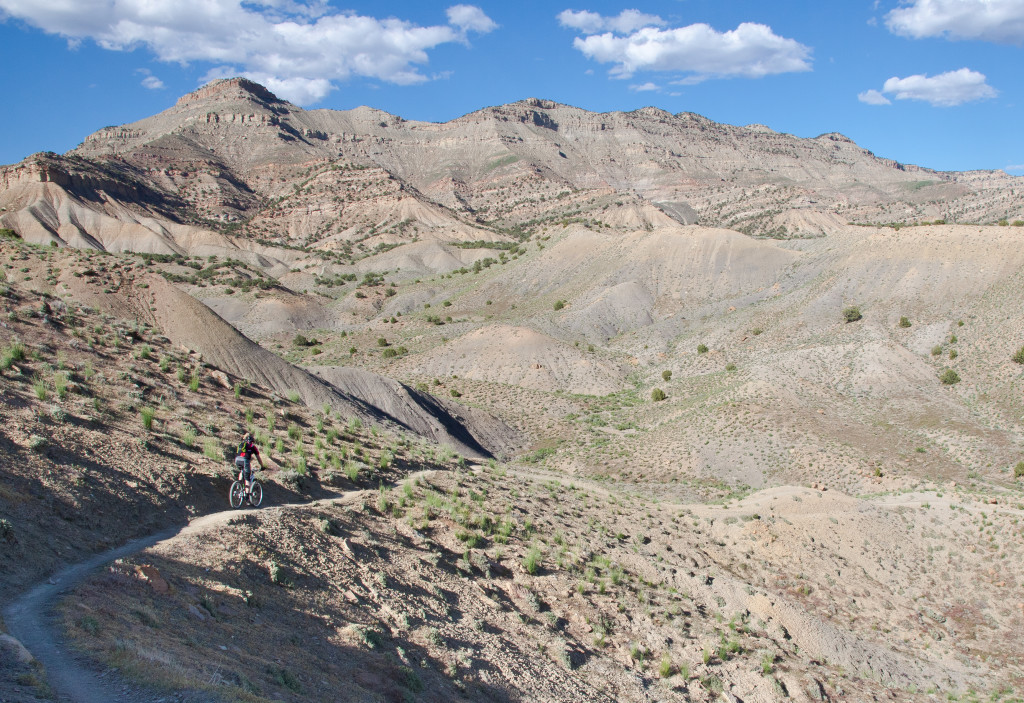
x,y
231,88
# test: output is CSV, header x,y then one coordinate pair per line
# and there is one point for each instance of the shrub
x,y
13,353
352,471
730,367
936,350
559,304
382,342
389,353
294,432
212,450
455,393
666,375
1018,470
658,395
188,437
953,354
904,321
665,668
1018,356
193,383
60,384
702,349
949,377
147,415
532,560
293,396
852,314
39,386
145,352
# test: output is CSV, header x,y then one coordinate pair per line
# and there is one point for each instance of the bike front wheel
x,y
256,494
237,494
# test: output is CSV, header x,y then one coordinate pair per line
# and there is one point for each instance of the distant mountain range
x,y
232,159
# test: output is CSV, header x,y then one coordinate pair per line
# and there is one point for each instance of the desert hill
x,y
231,157
754,404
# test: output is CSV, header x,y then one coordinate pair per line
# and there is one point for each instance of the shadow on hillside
x,y
299,636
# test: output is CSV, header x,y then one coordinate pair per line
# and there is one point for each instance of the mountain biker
x,y
246,449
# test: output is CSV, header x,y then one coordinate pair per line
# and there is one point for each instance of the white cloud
x,y
149,81
591,22
297,49
750,50
644,87
873,97
944,90
470,18
1014,167
1000,21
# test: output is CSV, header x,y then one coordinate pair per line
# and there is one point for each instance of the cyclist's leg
x,y
240,467
248,472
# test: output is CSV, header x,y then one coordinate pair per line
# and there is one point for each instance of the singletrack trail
x,y
30,619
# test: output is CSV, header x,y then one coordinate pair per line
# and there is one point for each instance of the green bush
x,y
730,367
559,304
382,342
949,377
1018,356
1018,470
666,375
532,560
293,396
904,321
936,350
702,349
212,450
147,415
389,353
39,386
852,314
658,395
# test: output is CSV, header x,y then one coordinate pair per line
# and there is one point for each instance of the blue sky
x,y
932,82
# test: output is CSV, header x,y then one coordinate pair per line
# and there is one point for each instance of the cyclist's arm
x,y
259,457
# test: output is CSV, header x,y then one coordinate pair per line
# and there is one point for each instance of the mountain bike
x,y
240,494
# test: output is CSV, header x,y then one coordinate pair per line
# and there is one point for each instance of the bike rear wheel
x,y
237,494
256,494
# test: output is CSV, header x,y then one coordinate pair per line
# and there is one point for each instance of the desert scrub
x,y
293,396
188,437
665,668
666,375
949,377
193,382
658,395
559,304
352,471
60,384
730,367
852,313
211,449
702,349
904,321
39,388
1018,470
16,352
147,415
1018,356
532,560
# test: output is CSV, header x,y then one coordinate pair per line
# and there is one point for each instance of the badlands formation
x,y
557,405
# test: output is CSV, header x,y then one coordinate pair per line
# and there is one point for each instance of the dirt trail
x,y
29,618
